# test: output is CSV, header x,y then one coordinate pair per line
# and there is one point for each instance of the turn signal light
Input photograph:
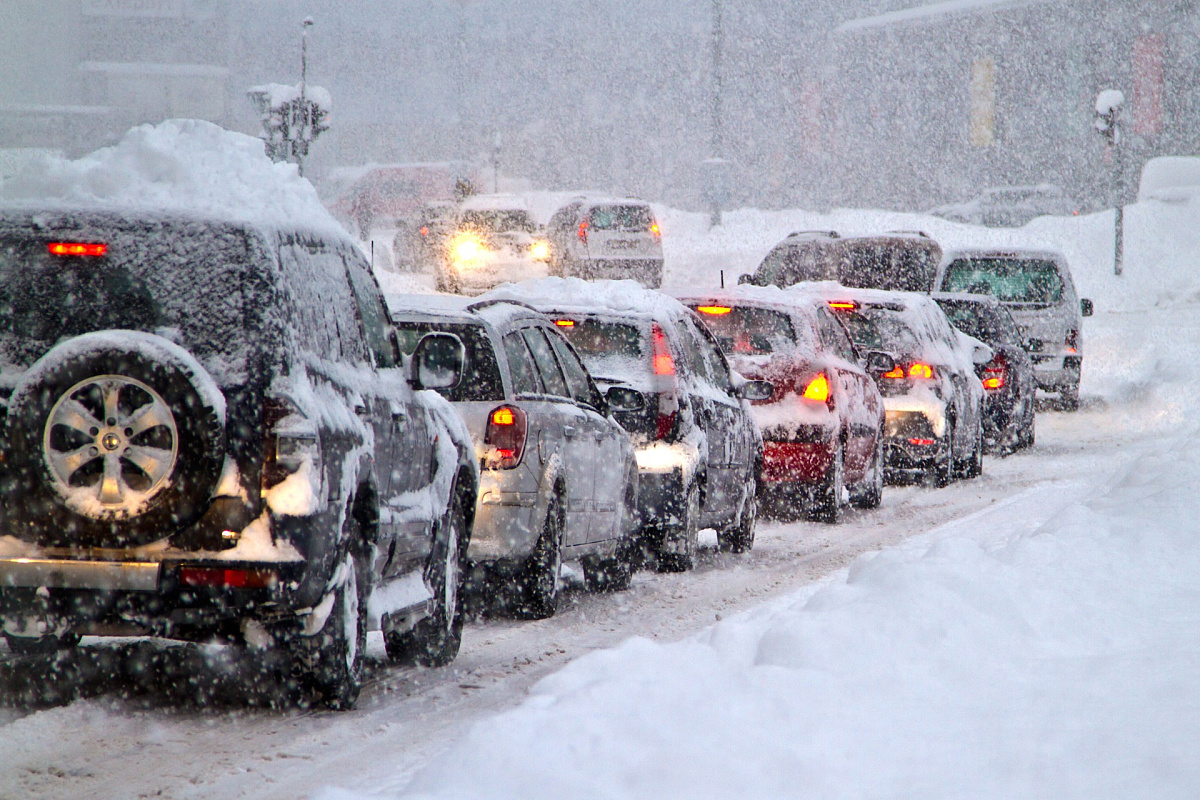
x,y
895,373
919,370
714,310
995,373
654,229
817,389
1072,342
76,249
565,323
843,305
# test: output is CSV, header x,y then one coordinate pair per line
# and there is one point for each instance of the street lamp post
x,y
715,170
1108,123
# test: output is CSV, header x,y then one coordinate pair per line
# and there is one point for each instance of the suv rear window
x,y
181,280
986,324
794,262
609,349
620,218
894,267
751,331
1010,280
876,328
481,374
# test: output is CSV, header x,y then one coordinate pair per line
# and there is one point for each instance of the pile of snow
x,y
186,166
1170,179
1030,657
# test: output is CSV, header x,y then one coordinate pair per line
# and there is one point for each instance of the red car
x,y
823,426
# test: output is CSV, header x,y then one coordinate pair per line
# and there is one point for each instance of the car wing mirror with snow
x,y
1085,307
622,398
744,279
877,362
437,362
981,354
756,390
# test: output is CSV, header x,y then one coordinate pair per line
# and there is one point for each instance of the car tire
x,y
688,535
541,579
740,537
941,473
869,494
62,499
332,660
1068,397
827,503
973,466
1027,436
41,645
435,640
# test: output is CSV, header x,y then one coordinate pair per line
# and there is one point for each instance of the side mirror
x,y
438,362
622,398
982,354
744,279
877,362
1033,345
756,390
1085,307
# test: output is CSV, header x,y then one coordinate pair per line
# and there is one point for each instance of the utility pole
x,y
1108,123
714,170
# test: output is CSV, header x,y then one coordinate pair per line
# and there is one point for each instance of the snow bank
x,y
182,165
1007,660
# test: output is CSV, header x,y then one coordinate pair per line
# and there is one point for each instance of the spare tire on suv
x,y
116,438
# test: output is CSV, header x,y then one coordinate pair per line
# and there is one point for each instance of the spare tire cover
x,y
116,438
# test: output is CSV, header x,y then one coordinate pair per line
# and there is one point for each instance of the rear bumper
x,y
505,527
910,440
795,462
647,271
1054,372
661,498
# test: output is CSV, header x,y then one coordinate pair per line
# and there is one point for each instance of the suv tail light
x,y
289,441
664,363
817,389
1072,341
654,229
77,248
583,229
995,373
919,370
506,433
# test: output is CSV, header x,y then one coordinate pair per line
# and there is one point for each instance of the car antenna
x,y
722,279
372,255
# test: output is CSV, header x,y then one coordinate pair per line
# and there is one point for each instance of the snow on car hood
x,y
184,165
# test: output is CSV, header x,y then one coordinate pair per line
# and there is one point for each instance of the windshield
x,y
795,262
609,349
620,218
750,331
498,221
990,325
184,284
1010,280
878,328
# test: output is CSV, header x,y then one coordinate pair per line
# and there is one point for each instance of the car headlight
x,y
539,251
466,249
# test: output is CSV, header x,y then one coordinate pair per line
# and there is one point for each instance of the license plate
x,y
623,244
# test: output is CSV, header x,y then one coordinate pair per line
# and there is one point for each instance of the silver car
x,y
606,238
1036,287
558,478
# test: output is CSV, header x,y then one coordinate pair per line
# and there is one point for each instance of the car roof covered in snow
x,y
455,307
968,297
624,298
185,168
760,296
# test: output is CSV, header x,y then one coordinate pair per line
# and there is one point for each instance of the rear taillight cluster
x,y
916,370
582,232
995,373
286,446
507,430
1072,342
664,367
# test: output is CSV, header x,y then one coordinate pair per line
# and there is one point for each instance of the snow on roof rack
x,y
482,304
830,234
922,234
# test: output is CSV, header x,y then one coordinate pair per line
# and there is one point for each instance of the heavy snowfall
x,y
1034,632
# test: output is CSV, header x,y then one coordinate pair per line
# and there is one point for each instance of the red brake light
x,y
664,364
664,425
817,389
233,578
843,305
921,442
919,370
1072,341
565,323
424,230
896,373
714,310
582,232
76,249
505,436
995,373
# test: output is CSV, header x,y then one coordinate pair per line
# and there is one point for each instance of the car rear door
x,y
579,445
860,422
621,231
611,462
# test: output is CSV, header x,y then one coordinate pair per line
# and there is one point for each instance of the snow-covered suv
x,y
209,432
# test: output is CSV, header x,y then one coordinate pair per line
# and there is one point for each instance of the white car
x,y
495,240
606,238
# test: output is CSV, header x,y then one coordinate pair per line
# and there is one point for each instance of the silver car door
x,y
579,447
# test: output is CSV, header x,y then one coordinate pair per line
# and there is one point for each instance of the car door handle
x,y
399,412
569,431
361,410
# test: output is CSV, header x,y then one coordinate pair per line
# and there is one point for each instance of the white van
x,y
1036,287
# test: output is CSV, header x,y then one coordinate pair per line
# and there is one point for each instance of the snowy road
x,y
150,743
